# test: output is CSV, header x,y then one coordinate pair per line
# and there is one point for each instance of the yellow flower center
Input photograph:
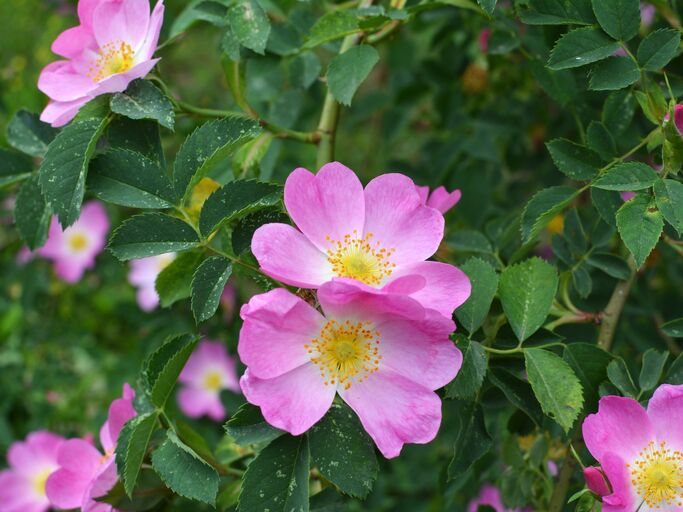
x,y
360,258
657,475
114,57
107,454
164,261
212,381
345,352
78,242
40,480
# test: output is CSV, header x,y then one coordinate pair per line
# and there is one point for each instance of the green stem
x,y
206,112
519,348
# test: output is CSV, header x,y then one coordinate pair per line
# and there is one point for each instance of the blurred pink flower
x,y
74,249
647,14
22,486
440,198
678,117
490,496
229,301
383,353
24,256
208,371
380,235
143,274
640,451
84,473
484,40
112,46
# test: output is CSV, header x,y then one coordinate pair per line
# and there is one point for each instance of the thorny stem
x,y
519,349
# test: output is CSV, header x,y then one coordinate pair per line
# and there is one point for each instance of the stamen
x,y
360,258
114,57
77,242
657,475
212,381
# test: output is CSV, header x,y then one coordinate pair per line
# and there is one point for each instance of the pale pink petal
x,y
17,494
120,411
72,41
106,441
65,489
61,82
71,270
194,369
446,287
38,451
287,255
423,192
45,445
398,220
86,8
489,496
147,298
79,456
294,401
149,45
394,410
623,498
327,204
665,410
59,113
210,357
118,82
621,426
94,219
118,21
100,485
277,325
197,402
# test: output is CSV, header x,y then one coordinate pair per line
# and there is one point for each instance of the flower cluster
x,y
381,336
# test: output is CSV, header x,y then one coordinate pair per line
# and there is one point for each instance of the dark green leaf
x,y
32,214
468,240
610,264
304,70
249,24
518,392
658,48
174,282
627,177
348,70
573,160
600,140
552,12
619,18
467,383
580,47
589,363
607,203
541,209
247,426
674,328
146,496
142,100
581,279
618,111
669,197
246,226
473,441
614,73
207,285
651,371
27,133
487,5
141,136
332,25
675,373
131,448
484,282
163,366
618,374
14,167
639,225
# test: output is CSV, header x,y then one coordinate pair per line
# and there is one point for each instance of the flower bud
x,y
596,481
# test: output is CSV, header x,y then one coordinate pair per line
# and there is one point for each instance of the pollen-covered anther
x,y
360,258
657,475
345,352
114,57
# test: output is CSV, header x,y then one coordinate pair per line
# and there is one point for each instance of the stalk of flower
x,y
380,236
383,353
31,462
208,371
112,46
143,274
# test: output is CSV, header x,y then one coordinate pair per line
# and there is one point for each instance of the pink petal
x,y
423,192
294,401
86,8
59,113
398,220
328,204
147,298
17,494
65,489
596,481
79,457
621,426
210,356
73,41
71,270
118,82
288,256
197,402
443,200
35,453
678,117
100,485
490,496
394,410
446,287
125,21
623,498
276,327
665,410
120,411
61,83
94,219
149,45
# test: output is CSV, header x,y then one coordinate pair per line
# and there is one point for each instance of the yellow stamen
x,y
657,475
40,480
114,57
78,242
360,259
212,381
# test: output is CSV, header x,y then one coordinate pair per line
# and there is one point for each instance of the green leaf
x,y
63,171
132,446
206,147
527,291
518,392
332,25
589,363
610,264
304,70
246,227
555,385
541,209
618,374
469,240
619,18
669,197
32,214
174,282
580,47
141,136
163,366
575,161
487,5
196,10
560,85
581,279
627,177
484,282
250,25
467,383
658,48
14,167
651,371
277,479
600,140
343,452
552,12
247,426
613,74
150,234
184,472
473,441
207,285
235,200
674,328
348,70
607,203
145,497
143,100
618,111
675,373
28,134
130,179
640,226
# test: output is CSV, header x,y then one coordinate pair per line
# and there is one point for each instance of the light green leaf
x,y
580,47
619,18
332,25
28,134
614,73
151,234
162,367
575,161
527,291
541,209
627,177
184,472
640,226
473,441
142,100
132,446
468,382
250,25
658,48
247,426
348,70
32,214
651,371
174,282
484,282
207,285
14,167
669,197
555,385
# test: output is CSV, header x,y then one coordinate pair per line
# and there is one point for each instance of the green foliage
x,y
250,25
669,198
589,363
163,366
26,133
614,73
207,285
658,48
348,70
674,328
619,18
473,440
626,177
580,47
247,426
619,375
651,371
577,162
640,226
131,448
467,383
551,12
174,282
14,167
332,25
32,214
142,100
484,282
543,207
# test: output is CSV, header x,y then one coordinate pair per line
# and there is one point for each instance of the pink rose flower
x,y
490,496
143,275
112,46
440,198
84,473
22,486
378,236
208,371
640,451
647,14
383,353
678,117
74,249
